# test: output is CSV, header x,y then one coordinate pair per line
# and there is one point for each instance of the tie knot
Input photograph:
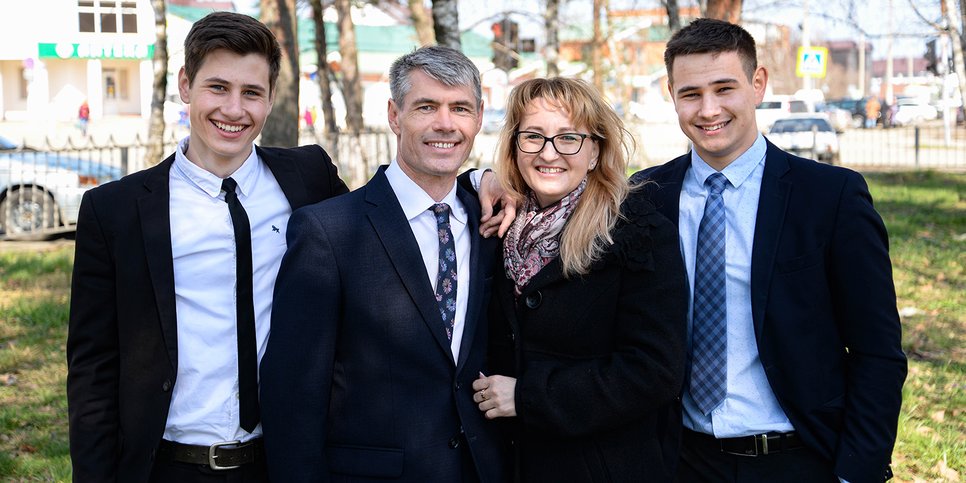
x,y
441,210
716,182
228,185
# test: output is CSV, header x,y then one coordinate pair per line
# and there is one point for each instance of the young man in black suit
x,y
160,378
796,369
379,327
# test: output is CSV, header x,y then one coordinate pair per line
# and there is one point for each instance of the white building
x,y
54,54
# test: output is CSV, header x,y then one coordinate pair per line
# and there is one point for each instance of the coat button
x,y
459,386
166,386
533,300
454,442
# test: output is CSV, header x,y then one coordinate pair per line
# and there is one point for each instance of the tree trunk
x,y
596,46
673,15
446,23
551,23
322,74
422,22
282,126
155,148
351,84
957,37
727,10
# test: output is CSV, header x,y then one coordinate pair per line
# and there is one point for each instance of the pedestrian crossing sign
x,y
812,62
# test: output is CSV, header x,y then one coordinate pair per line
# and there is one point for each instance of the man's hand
x,y
491,193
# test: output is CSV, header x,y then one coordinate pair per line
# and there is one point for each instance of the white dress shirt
x,y
204,402
416,205
750,406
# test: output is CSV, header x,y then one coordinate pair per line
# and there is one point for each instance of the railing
x,y
40,190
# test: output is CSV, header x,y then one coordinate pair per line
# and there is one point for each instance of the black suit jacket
x,y
599,358
122,348
359,382
823,306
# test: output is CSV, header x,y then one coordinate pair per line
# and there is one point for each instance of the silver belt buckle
x,y
212,463
764,443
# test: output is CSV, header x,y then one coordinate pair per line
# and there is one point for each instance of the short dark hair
x,y
447,65
235,32
710,36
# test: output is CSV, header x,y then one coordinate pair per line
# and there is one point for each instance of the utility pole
x,y
806,43
889,93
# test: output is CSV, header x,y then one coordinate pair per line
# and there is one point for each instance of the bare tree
x,y
596,46
728,10
446,23
349,67
160,86
422,22
323,72
282,126
673,15
551,23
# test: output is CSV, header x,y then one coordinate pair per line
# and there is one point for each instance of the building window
x,y
107,16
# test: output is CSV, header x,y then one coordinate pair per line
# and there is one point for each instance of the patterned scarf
x,y
534,238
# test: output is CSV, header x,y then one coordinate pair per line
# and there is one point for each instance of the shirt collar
x,y
738,171
210,183
414,200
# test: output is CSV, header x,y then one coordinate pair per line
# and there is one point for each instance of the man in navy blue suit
x,y
804,379
378,328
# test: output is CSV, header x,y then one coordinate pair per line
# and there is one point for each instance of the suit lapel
x,y
667,197
390,223
474,306
772,205
288,177
155,218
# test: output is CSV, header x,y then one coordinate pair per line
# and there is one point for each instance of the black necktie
x,y
244,308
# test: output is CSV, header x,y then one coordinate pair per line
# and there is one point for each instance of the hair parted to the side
x,y
447,65
588,231
234,32
708,35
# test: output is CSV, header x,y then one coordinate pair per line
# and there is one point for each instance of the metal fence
x,y
41,188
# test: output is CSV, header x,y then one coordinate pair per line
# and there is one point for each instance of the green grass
x,y
925,213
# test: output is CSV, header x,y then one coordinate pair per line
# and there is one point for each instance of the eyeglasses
x,y
565,143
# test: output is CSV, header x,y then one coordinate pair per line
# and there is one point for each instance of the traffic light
x,y
932,62
506,39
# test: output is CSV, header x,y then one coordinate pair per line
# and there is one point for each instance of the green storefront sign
x,y
95,50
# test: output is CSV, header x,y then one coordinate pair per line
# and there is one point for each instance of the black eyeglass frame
x,y
552,139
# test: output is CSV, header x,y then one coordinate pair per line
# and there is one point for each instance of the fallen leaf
x,y
946,472
938,416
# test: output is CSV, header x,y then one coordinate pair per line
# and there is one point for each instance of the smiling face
x,y
435,125
715,102
548,173
229,101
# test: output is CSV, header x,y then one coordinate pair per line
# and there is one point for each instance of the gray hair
x,y
446,65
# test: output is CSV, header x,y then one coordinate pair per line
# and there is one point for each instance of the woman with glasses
x,y
588,323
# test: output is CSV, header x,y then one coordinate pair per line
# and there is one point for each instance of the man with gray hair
x,y
378,328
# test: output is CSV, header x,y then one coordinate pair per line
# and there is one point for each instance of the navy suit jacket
x,y
359,382
122,346
823,306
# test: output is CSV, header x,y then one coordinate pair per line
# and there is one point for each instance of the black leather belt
x,y
756,445
225,455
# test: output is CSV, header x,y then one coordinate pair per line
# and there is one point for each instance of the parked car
x,y
807,135
42,190
856,107
838,117
776,108
913,111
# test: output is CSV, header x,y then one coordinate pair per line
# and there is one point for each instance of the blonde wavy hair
x,y
588,231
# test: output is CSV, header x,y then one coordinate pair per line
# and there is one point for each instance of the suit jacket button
x,y
533,300
459,386
166,386
454,442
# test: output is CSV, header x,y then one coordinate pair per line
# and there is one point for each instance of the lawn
x,y
924,211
